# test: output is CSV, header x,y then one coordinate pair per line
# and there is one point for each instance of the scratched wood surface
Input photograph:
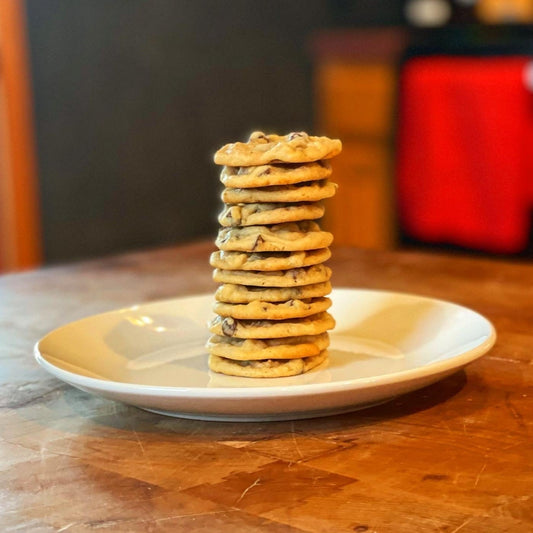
x,y
455,456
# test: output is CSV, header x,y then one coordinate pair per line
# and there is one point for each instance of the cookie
x,y
238,294
254,349
307,191
269,368
281,278
258,310
289,237
261,149
271,329
273,213
268,261
268,175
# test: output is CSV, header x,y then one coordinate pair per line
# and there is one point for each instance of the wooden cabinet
x,y
355,94
356,99
361,212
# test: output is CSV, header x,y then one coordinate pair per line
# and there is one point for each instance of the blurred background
x,y
110,113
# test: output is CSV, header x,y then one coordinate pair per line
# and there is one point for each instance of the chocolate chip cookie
x,y
261,149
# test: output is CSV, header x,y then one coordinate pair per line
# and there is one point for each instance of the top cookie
x,y
261,149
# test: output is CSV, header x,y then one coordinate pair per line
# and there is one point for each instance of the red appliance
x,y
465,150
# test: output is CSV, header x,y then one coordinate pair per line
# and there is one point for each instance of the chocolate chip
x,y
258,241
296,135
291,303
265,172
229,326
294,274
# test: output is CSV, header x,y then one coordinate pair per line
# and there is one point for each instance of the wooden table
x,y
455,456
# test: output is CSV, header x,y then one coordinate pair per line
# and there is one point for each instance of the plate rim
x,y
286,391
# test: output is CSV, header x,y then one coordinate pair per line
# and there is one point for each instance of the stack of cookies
x,y
271,306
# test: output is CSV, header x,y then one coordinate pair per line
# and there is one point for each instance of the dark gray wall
x,y
133,96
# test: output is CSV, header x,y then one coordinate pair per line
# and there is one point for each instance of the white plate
x,y
152,356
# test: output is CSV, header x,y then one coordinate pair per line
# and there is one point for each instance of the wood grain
x,y
454,457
